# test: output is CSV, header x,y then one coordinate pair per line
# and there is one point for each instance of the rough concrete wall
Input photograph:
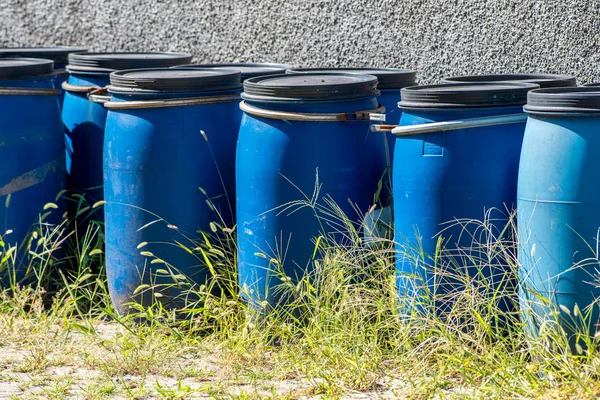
x,y
435,37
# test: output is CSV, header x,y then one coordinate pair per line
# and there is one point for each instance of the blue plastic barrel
x,y
169,148
542,80
248,70
443,175
559,213
390,81
298,133
57,54
32,154
84,120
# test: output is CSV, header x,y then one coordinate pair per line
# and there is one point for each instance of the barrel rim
x,y
251,69
358,86
543,80
576,100
388,78
197,80
476,95
58,54
37,68
103,62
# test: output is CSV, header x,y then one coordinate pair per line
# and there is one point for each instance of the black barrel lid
x,y
19,68
108,62
493,94
309,87
175,79
583,99
543,80
57,54
388,78
248,70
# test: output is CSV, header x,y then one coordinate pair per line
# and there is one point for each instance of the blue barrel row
x,y
162,117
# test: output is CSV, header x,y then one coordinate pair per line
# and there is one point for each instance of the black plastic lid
x,y
248,70
543,80
577,99
19,68
309,87
388,78
175,79
57,54
467,95
108,62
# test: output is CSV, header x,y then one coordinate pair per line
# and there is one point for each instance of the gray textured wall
x,y
435,37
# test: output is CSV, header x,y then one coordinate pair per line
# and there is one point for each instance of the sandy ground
x,y
100,366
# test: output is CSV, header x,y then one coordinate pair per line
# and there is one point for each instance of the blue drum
x,y
304,143
84,120
457,158
32,154
169,151
57,54
559,215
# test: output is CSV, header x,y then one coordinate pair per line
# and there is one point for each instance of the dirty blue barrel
x,y
169,151
457,157
390,81
559,214
304,143
248,70
32,154
543,80
84,120
57,54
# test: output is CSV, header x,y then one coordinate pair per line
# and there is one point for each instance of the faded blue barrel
x,y
304,139
32,154
57,54
390,81
542,80
447,174
84,120
559,213
248,70
169,149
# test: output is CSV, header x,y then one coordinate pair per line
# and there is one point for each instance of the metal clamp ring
x,y
314,117
9,91
79,89
137,104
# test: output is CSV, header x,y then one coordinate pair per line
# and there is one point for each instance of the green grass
x,y
343,333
